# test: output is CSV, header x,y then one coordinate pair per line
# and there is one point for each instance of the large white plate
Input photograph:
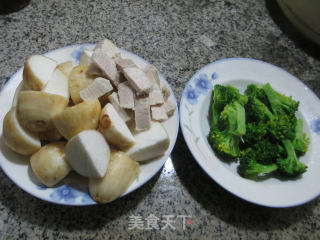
x,y
239,72
74,189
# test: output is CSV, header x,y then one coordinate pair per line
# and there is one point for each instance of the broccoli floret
x,y
226,140
255,132
281,122
300,141
223,95
282,127
224,143
255,91
257,111
267,151
250,168
234,118
290,165
280,103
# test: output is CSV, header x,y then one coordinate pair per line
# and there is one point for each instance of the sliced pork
x,y
114,100
159,113
152,74
156,96
138,80
122,63
107,47
102,62
99,87
142,112
126,95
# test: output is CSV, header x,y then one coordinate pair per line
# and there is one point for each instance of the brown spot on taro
x,y
61,151
105,122
81,71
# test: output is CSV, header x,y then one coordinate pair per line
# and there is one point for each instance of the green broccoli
x,y
257,111
300,141
260,128
280,104
266,152
255,91
223,95
225,143
255,132
282,126
249,166
233,117
261,121
290,165
226,140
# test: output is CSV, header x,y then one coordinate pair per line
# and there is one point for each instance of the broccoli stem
x,y
300,141
290,165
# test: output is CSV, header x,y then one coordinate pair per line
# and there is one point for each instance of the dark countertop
x,y
178,37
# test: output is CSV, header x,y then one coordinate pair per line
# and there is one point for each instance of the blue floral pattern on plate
x,y
202,85
214,76
67,194
191,95
315,125
64,193
76,54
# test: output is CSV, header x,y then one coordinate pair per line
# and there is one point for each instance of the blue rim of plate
x,y
69,190
194,156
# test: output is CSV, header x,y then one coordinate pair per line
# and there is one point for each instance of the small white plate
x,y
239,72
74,189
